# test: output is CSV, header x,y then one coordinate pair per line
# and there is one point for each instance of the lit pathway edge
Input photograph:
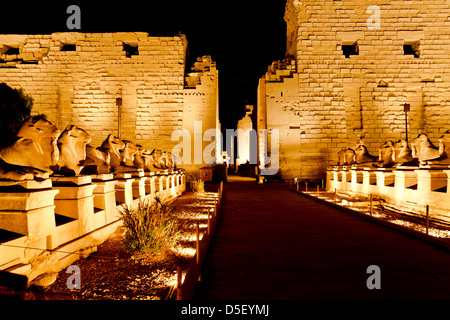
x,y
186,290
420,235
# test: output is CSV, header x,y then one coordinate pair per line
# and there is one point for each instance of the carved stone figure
x,y
168,159
444,150
423,149
149,161
139,160
386,157
402,155
111,146
346,156
128,153
34,152
72,148
363,156
97,161
121,154
158,158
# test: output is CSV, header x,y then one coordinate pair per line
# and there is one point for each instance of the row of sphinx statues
x,y
421,151
41,150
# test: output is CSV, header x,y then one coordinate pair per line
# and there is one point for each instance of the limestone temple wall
x,y
128,84
346,78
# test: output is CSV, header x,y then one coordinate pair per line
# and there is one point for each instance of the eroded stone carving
x,y
128,153
111,146
72,148
139,160
346,156
444,150
40,150
33,153
149,161
423,149
168,159
363,157
386,157
121,154
97,161
158,158
402,155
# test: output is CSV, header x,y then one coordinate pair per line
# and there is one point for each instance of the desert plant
x,y
149,227
198,186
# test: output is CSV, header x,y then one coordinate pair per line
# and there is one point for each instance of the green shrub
x,y
198,186
149,227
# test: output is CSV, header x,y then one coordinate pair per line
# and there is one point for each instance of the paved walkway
x,y
271,244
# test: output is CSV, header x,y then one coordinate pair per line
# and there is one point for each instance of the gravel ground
x,y
112,273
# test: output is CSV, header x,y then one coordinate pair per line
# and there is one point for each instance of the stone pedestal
x,y
405,181
330,180
178,182
369,181
427,182
105,196
138,185
357,180
385,181
76,200
150,185
160,187
124,188
27,208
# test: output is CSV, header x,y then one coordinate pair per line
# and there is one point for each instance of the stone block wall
x,y
128,83
342,100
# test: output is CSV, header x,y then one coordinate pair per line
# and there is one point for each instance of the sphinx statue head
x,y
97,161
128,153
444,151
139,160
168,159
72,149
158,158
402,153
444,145
346,156
149,161
363,156
34,151
112,146
423,149
386,157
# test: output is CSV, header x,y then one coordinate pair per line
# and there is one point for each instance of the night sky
x,y
243,37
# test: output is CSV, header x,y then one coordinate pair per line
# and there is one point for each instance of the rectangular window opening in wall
x,y
130,50
68,47
350,49
11,50
412,48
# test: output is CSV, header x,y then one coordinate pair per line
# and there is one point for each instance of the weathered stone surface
x,y
321,100
34,152
72,149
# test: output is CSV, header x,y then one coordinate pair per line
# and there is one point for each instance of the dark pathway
x,y
271,243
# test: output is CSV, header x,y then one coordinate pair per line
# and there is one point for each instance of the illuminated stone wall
x,y
127,84
333,101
